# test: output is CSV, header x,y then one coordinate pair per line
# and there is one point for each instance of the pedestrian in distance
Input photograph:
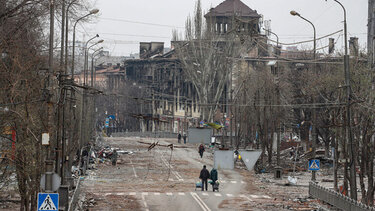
x,y
201,150
184,138
114,158
204,175
179,138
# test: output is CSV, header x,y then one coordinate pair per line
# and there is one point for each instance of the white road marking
x,y
133,193
243,182
120,194
243,196
176,174
144,202
217,194
157,194
255,196
169,194
145,193
223,181
181,194
107,194
205,194
135,173
200,202
266,197
233,181
229,195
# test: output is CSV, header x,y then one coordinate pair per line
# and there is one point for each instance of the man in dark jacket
x,y
204,175
179,138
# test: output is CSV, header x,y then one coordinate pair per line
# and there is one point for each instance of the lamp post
x,y
353,180
277,37
67,34
94,11
92,65
85,65
314,133
84,103
87,60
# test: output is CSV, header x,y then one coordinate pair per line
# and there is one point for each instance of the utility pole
x,y
371,32
49,161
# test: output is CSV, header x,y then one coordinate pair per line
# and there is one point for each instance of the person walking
x,y
204,175
184,138
213,177
179,138
201,150
114,158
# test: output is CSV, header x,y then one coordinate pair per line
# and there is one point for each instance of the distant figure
x,y
184,138
114,158
201,150
179,138
204,175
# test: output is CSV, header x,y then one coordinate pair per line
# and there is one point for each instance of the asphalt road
x,y
164,179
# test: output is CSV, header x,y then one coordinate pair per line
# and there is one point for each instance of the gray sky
x,y
124,23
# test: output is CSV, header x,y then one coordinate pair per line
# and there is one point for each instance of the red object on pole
x,y
13,144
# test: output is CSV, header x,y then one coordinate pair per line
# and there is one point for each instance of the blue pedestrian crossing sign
x,y
314,165
48,201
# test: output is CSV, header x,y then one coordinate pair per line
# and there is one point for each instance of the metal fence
x,y
336,199
146,134
74,200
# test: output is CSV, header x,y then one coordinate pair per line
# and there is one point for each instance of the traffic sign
x,y
48,201
314,165
111,117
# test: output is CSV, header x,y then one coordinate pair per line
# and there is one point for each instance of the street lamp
x,y
314,135
353,180
94,11
277,37
92,65
87,58
85,65
294,13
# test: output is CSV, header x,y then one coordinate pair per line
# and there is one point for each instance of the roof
x,y
233,7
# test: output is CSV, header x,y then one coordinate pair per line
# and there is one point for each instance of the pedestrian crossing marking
x,y
242,182
184,194
224,181
48,204
243,196
233,181
180,179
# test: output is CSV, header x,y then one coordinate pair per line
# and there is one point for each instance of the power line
x,y
132,35
139,22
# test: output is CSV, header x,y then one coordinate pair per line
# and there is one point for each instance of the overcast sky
x,y
125,23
